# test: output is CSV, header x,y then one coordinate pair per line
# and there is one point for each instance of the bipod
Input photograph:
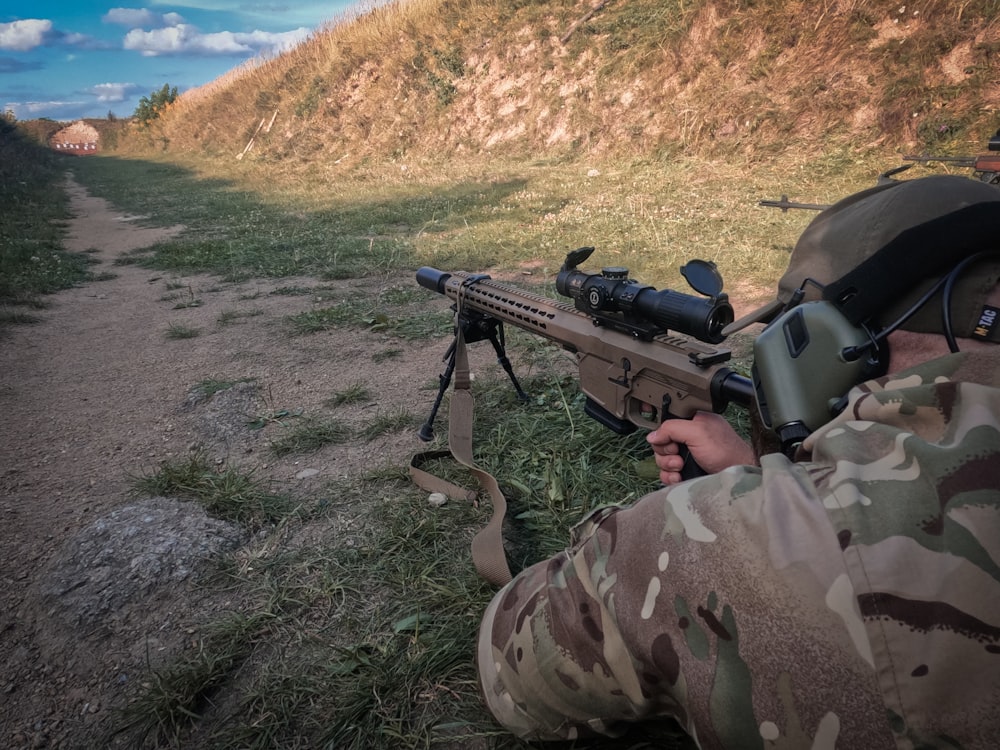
x,y
475,326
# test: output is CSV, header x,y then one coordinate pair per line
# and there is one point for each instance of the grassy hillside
x,y
634,77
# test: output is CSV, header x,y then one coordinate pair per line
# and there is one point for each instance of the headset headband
x,y
921,252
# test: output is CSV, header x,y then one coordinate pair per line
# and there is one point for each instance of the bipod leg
x,y
497,339
426,431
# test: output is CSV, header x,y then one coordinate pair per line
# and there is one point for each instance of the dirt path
x,y
97,393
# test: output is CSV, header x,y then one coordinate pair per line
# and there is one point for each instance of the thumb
x,y
673,431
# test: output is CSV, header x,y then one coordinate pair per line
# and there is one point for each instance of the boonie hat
x,y
853,230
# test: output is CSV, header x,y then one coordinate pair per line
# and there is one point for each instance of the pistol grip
x,y
691,470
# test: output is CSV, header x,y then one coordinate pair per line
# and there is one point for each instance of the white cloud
x,y
186,39
29,33
273,42
112,92
25,35
141,17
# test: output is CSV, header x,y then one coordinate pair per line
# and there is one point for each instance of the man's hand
x,y
713,443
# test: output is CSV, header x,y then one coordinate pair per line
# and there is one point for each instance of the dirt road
x,y
98,393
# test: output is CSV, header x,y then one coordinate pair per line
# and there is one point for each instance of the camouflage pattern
x,y
850,599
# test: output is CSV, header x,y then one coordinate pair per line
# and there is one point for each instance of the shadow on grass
x,y
234,233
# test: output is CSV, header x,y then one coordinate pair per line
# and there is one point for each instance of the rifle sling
x,y
487,547
428,481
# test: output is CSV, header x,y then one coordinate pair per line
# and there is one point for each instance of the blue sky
x,y
67,59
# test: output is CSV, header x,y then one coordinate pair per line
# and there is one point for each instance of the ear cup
x,y
800,372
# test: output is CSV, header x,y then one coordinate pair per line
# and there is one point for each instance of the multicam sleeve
x,y
722,603
915,502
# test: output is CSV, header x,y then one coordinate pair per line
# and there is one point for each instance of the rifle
x,y
784,204
986,167
633,371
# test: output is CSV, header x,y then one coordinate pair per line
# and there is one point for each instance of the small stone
x,y
306,473
437,499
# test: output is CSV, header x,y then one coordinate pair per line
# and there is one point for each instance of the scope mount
x,y
629,324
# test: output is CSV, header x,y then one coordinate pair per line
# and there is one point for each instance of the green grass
x,y
17,317
311,435
400,321
647,214
174,695
385,355
129,260
181,331
365,639
393,420
226,492
33,212
229,317
207,388
355,393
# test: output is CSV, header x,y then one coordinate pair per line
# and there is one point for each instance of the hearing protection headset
x,y
813,353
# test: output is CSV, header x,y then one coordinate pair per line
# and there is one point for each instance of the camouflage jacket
x,y
851,599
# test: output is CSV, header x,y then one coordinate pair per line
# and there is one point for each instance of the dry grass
x,y
412,78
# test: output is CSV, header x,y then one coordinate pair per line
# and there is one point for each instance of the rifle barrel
x,y
784,204
959,161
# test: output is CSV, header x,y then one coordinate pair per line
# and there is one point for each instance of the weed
x,y
225,492
390,421
16,317
127,260
385,355
355,393
274,416
314,321
229,317
173,696
207,388
181,331
311,435
292,291
188,300
427,324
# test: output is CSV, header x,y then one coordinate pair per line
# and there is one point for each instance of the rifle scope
x,y
612,298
